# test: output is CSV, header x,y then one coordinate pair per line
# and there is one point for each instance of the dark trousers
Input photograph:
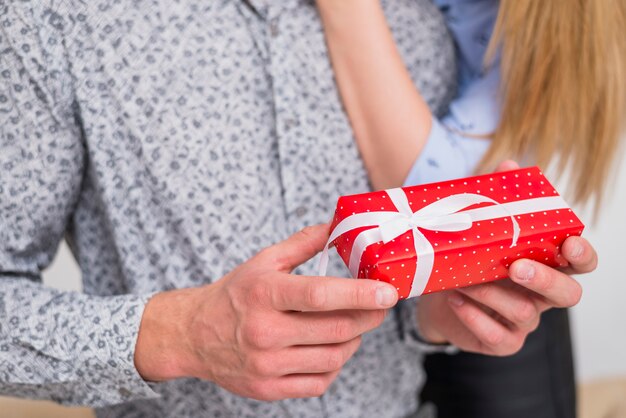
x,y
537,382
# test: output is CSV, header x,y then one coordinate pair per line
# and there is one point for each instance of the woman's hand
x,y
495,318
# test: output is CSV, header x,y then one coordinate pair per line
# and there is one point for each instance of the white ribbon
x,y
442,215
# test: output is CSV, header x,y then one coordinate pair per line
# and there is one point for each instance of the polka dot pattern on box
x,y
480,254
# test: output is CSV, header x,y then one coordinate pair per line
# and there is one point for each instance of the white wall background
x,y
598,327
599,332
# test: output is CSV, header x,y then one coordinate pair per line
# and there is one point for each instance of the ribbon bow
x,y
443,215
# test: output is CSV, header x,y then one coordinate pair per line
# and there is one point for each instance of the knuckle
x,y
262,390
471,318
316,295
265,255
360,294
308,231
318,387
516,344
258,336
334,360
307,235
510,345
261,367
525,313
494,337
259,292
484,292
342,330
546,281
575,295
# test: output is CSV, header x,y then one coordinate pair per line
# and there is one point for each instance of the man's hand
x,y
495,318
260,331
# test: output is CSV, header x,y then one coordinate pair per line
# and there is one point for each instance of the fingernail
x,y
525,271
385,296
577,250
455,299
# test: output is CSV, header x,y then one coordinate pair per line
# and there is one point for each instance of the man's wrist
x,y
161,341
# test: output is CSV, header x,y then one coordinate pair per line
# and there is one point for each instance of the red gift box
x,y
458,233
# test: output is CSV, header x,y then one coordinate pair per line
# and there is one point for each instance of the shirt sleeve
x,y
457,143
63,346
410,333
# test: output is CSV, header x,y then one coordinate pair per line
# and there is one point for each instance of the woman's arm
x,y
390,119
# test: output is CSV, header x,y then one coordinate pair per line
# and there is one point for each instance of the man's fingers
x,y
305,293
581,256
557,288
507,166
494,337
511,302
311,328
306,359
298,248
292,386
314,328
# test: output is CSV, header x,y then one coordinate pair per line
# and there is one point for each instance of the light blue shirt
x,y
453,149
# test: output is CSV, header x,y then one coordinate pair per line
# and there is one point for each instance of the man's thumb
x,y
299,248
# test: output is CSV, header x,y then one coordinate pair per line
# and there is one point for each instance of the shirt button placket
x,y
286,119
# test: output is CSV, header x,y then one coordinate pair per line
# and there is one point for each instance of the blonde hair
x,y
563,66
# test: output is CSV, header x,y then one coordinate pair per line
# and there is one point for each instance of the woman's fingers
x,y
493,337
513,303
550,287
580,255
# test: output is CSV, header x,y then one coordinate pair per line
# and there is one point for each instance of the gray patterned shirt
x,y
168,141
